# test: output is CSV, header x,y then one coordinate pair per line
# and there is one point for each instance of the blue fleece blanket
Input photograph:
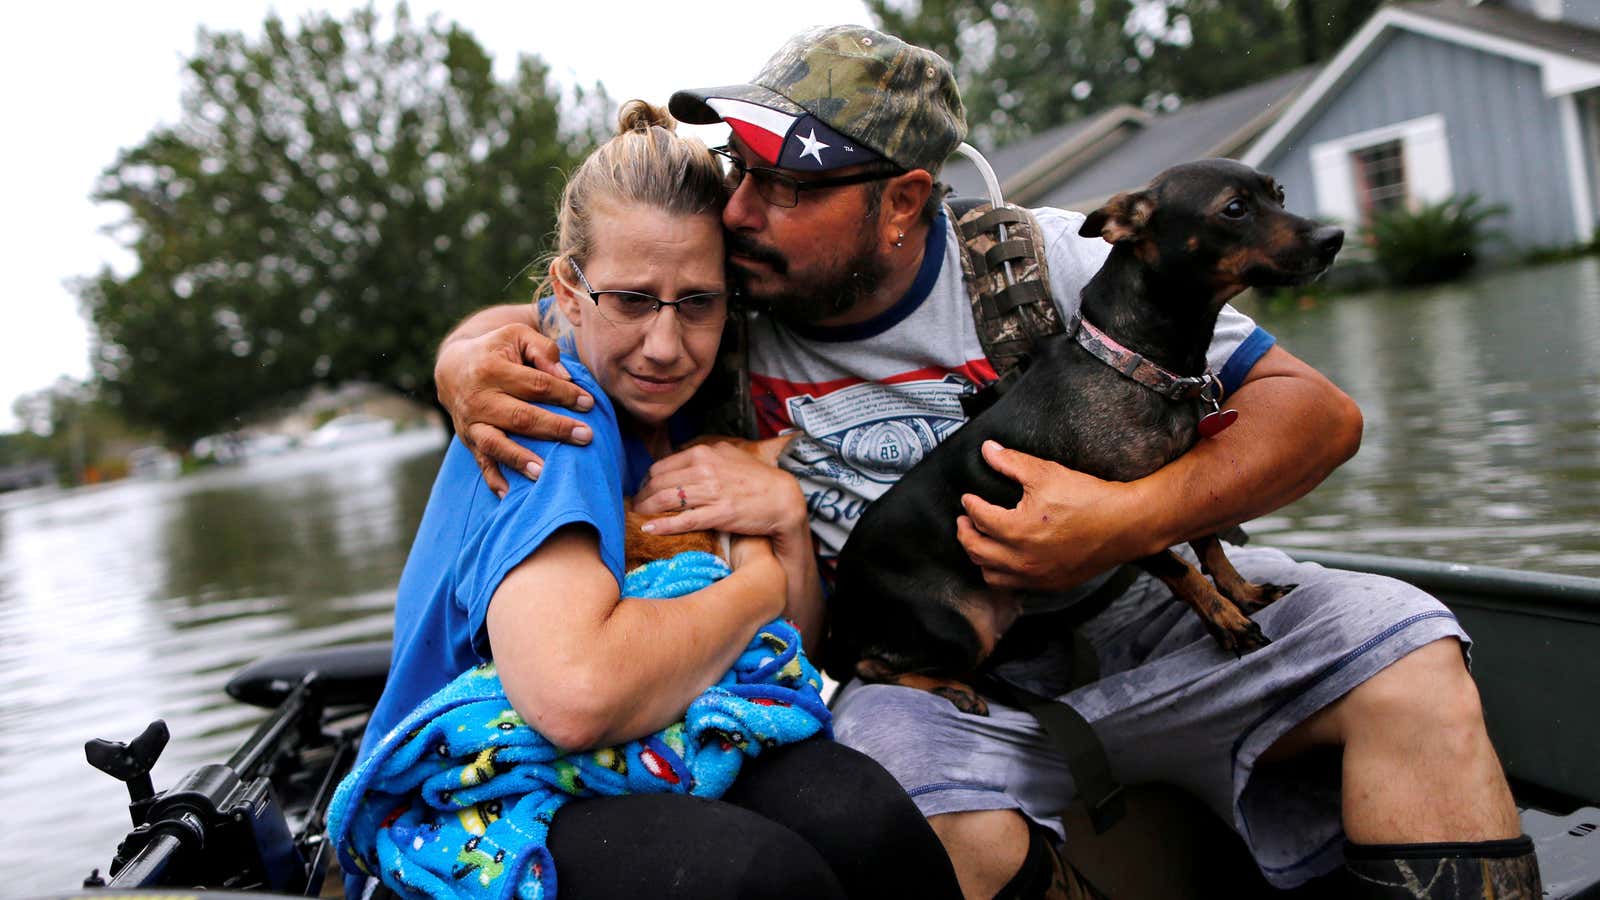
x,y
457,800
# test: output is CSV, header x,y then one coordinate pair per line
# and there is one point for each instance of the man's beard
x,y
817,298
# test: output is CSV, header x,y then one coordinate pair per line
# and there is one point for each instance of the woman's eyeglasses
x,y
636,309
782,189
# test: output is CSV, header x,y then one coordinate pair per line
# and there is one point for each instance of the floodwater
x,y
1482,410
136,600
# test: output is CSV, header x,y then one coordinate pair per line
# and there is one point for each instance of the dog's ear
x,y
770,449
1123,218
767,450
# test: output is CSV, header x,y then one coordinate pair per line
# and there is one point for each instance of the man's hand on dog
x,y
722,488
1067,527
487,382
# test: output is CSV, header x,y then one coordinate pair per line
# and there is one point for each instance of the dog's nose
x,y
1326,241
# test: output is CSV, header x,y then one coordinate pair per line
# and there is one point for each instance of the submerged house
x,y
1425,102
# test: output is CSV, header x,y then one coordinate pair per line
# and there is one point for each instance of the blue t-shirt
x,y
469,540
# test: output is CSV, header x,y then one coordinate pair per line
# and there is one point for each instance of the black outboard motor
x,y
210,820
255,822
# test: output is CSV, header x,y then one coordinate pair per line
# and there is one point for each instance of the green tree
x,y
334,197
73,429
1211,47
20,448
1324,25
1028,65
1024,66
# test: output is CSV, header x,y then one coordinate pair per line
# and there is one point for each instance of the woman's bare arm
x,y
586,669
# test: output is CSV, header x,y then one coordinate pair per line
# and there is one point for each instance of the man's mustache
x,y
744,246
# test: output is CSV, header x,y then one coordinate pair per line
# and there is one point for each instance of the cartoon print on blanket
x,y
456,801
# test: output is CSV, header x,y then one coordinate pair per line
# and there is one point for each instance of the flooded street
x,y
136,600
1482,409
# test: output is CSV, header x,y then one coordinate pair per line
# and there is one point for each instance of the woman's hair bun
x,y
637,115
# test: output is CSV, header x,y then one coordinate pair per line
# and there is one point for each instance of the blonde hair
x,y
646,163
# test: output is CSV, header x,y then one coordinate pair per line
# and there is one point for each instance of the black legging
x,y
814,820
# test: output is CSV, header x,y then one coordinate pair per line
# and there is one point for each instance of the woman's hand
x,y
719,487
725,488
487,380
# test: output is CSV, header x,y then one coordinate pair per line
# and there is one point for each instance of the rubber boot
x,y
1491,870
1045,875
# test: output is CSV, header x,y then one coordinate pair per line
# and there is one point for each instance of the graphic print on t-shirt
x,y
859,436
881,433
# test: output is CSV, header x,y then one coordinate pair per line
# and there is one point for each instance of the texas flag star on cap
x,y
787,141
813,147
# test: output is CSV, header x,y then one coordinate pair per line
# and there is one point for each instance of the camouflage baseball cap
x,y
840,96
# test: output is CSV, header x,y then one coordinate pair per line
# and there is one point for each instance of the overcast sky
x,y
81,80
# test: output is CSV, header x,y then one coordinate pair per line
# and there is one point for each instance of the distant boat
x,y
154,463
350,429
240,446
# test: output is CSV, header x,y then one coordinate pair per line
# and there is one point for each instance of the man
x,y
866,342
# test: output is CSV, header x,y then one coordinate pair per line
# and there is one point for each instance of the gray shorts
x,y
1170,707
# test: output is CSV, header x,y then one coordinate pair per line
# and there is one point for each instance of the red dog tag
x,y
1213,424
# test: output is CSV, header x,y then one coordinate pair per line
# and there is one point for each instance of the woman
x,y
531,579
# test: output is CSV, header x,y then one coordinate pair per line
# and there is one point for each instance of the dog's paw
x,y
1272,593
963,698
1256,597
1240,638
1247,639
875,671
960,694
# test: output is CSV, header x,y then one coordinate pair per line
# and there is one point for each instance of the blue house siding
x,y
1291,167
1500,128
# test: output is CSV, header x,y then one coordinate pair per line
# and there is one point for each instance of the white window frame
x,y
1424,146
1547,9
1573,141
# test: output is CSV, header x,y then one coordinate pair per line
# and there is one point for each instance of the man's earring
x,y
899,240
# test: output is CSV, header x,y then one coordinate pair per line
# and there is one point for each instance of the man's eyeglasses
x,y
779,187
635,309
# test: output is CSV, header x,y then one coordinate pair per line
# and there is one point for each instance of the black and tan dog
x,y
1117,397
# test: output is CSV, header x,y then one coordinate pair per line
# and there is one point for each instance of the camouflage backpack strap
x,y
1011,313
